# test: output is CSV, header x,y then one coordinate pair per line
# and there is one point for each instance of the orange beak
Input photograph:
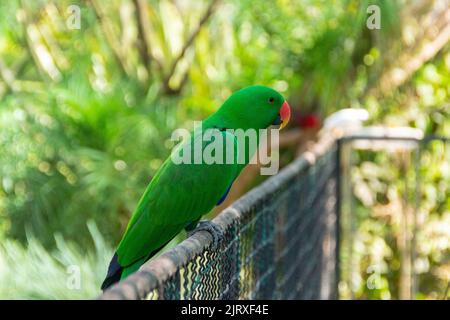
x,y
285,114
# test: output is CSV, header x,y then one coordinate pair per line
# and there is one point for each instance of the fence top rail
x,y
391,133
153,274
425,139
155,271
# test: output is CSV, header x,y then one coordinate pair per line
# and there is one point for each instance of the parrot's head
x,y
255,107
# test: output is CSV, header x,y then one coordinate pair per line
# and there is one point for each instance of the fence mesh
x,y
282,240
279,243
395,198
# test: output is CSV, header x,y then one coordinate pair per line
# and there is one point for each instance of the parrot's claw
x,y
213,229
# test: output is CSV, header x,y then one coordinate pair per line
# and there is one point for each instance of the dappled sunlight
x,y
91,93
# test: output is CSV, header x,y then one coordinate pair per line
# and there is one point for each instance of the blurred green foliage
x,y
86,115
35,273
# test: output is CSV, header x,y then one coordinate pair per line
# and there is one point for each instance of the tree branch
x,y
411,61
144,48
43,60
111,38
166,87
10,74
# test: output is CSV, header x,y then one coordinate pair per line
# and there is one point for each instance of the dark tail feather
x,y
115,270
114,273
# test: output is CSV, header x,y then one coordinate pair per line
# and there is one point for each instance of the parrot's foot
x,y
213,229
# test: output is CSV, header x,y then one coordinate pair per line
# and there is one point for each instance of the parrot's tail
x,y
114,273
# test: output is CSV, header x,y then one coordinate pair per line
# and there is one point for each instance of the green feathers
x,y
179,194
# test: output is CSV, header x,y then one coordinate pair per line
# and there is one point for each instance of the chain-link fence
x,y
282,240
279,243
394,203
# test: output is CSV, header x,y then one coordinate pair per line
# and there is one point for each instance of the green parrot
x,y
181,193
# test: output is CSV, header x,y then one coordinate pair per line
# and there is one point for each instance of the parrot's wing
x,y
178,195
222,199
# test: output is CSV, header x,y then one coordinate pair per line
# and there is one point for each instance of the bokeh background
x,y
86,116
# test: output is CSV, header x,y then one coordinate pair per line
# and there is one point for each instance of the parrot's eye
x,y
271,99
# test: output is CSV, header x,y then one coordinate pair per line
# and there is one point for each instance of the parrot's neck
x,y
221,120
